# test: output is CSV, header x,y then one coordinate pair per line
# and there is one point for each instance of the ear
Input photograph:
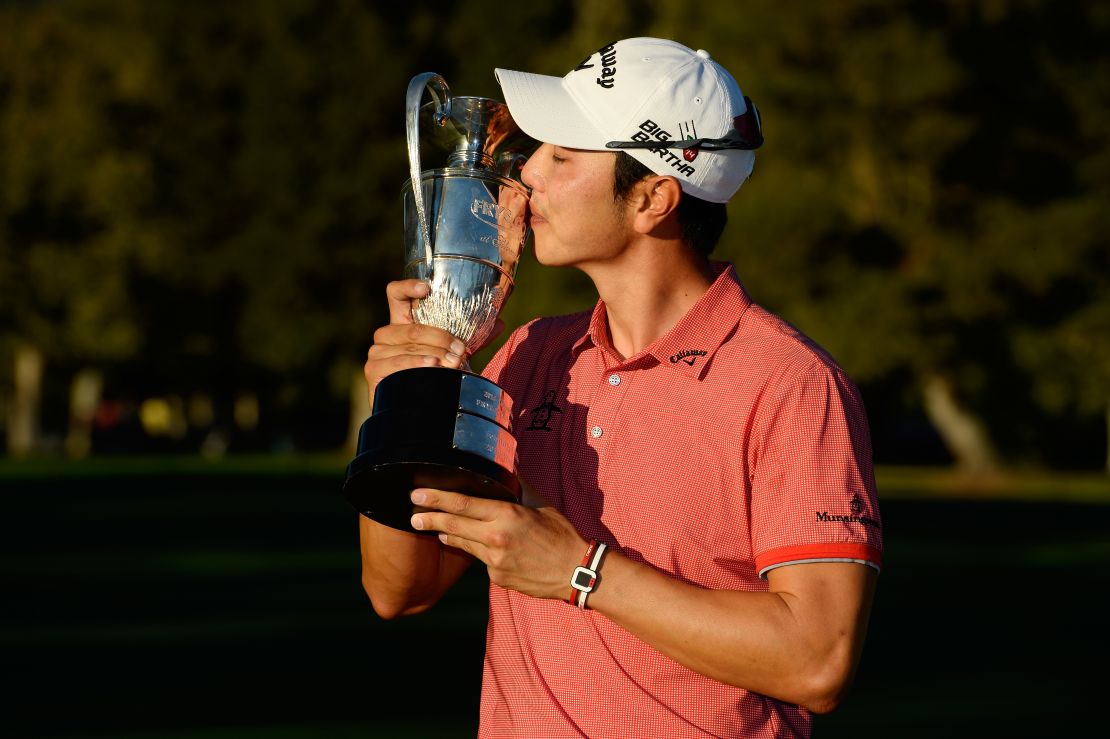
x,y
656,203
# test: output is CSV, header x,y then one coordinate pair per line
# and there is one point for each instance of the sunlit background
x,y
199,210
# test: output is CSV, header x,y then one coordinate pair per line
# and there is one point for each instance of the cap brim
x,y
544,110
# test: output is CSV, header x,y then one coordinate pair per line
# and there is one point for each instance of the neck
x,y
647,291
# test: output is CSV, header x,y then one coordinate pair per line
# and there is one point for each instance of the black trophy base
x,y
418,437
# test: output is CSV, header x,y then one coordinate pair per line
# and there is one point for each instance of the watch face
x,y
583,579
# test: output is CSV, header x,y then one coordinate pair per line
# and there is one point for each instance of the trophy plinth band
x,y
432,427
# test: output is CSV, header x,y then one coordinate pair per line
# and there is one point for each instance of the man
x,y
698,546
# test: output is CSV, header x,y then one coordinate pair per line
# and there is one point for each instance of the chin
x,y
542,256
548,261
553,257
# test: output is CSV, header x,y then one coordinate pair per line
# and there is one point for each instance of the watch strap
x,y
585,577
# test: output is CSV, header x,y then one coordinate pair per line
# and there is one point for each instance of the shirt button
x,y
614,380
596,432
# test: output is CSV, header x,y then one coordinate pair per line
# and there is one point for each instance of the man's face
x,y
575,218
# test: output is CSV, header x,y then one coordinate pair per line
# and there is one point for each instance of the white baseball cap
x,y
673,109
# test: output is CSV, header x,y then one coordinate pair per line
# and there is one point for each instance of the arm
x,y
404,573
800,642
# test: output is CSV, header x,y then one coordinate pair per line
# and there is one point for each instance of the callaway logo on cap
x,y
673,109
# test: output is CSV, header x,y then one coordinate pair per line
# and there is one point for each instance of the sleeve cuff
x,y
862,553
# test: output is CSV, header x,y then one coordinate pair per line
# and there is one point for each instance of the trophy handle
x,y
437,86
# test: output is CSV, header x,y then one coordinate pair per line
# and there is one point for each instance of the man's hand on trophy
x,y
402,295
526,549
403,343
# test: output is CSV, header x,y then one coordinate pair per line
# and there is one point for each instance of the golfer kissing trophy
x,y
464,231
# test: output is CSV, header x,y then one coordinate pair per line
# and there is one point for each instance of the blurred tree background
x,y
200,206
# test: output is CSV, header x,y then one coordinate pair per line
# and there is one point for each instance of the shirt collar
x,y
691,343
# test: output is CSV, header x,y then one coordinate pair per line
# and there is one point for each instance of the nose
x,y
531,175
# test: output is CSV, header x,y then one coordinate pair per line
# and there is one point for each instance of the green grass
x,y
177,598
893,482
329,464
1029,485
391,729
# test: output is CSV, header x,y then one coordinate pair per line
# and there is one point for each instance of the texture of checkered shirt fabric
x,y
732,445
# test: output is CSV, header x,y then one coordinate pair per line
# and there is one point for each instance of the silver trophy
x,y
464,231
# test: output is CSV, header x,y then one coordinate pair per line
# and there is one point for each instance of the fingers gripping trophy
x,y
464,231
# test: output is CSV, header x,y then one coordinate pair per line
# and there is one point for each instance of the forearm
x,y
800,644
405,573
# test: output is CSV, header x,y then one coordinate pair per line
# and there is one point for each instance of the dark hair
x,y
702,222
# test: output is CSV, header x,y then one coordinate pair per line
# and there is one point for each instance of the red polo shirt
x,y
731,445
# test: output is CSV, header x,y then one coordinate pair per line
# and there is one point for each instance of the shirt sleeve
x,y
813,483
